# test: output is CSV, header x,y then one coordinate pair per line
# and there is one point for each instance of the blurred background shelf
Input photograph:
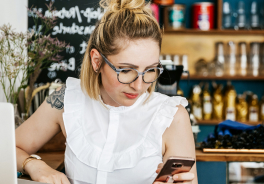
x,y
216,122
214,32
199,77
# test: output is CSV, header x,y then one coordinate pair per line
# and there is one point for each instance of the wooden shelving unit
x,y
198,77
216,122
214,32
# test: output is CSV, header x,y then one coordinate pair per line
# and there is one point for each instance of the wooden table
x,y
54,159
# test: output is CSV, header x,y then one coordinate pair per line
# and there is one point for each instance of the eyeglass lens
x,y
129,75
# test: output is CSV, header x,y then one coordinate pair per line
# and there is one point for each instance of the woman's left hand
x,y
185,178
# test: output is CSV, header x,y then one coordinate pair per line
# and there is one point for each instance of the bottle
x,y
262,109
261,67
201,68
220,59
230,102
196,102
231,62
241,16
207,103
254,58
176,60
217,100
227,17
241,108
185,64
180,92
253,109
254,17
243,58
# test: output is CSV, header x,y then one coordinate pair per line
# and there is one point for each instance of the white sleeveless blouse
x,y
116,145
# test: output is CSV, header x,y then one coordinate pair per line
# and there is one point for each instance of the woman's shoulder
x,y
169,100
57,98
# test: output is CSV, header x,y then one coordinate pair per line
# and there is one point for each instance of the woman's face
x,y
141,55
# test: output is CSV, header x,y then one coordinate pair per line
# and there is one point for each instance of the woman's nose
x,y
137,84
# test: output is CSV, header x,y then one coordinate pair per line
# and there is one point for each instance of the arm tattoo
x,y
56,99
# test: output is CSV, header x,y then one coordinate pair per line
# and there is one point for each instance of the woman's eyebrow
x,y
135,66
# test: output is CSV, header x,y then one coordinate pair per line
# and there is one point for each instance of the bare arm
x,y
39,129
179,139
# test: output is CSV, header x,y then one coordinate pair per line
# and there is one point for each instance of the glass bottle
x,y
231,59
241,16
241,108
253,109
261,67
262,109
207,103
254,58
243,58
227,16
218,102
219,60
201,68
254,17
196,102
185,64
176,60
230,102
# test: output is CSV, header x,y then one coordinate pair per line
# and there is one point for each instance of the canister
x,y
164,2
176,16
203,16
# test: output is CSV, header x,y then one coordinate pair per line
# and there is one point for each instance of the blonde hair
x,y
123,20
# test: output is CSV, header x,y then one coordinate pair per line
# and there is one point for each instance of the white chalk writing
x,y
73,12
90,14
63,65
70,49
83,46
81,30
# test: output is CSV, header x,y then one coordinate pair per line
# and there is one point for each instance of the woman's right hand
x,y
39,171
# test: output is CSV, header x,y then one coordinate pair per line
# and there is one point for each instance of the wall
x,y
13,12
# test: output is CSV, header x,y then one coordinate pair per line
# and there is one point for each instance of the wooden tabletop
x,y
56,159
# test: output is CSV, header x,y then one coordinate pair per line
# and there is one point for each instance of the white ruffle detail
x,y
90,154
164,116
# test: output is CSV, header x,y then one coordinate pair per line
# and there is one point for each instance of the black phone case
x,y
168,169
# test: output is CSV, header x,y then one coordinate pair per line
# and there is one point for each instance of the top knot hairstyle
x,y
123,20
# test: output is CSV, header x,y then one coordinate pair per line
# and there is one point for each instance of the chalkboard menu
x,y
75,23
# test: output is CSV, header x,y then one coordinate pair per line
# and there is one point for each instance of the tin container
x,y
176,16
164,2
203,16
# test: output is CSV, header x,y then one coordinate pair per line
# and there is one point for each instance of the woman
x,y
117,129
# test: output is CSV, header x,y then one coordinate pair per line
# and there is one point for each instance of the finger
x,y
183,176
160,165
65,180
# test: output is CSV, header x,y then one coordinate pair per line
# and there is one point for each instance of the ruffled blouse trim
x,y
90,154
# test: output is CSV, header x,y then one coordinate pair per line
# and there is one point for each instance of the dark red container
x,y
203,16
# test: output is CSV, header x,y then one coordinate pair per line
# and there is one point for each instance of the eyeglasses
x,y
129,75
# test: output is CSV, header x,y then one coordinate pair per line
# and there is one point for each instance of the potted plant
x,y
24,55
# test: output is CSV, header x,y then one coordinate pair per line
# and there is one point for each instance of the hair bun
x,y
117,5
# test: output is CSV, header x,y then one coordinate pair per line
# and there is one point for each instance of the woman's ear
x,y
95,59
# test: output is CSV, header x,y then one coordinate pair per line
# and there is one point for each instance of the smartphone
x,y
174,165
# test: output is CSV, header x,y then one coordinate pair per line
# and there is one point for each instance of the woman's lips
x,y
131,95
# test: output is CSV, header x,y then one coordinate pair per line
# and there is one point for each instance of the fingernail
x,y
175,177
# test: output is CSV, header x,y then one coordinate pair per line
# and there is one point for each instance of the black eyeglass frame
x,y
161,69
